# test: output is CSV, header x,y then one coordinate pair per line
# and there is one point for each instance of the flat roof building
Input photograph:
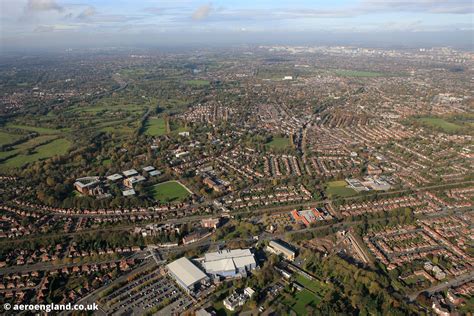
x,y
129,173
186,274
306,216
280,249
87,185
128,192
114,177
154,173
129,182
229,263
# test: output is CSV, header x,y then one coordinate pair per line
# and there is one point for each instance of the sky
x,y
96,23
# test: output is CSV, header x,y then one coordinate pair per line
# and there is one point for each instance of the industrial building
x,y
279,248
187,274
229,263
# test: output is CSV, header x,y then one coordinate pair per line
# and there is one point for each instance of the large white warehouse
x,y
186,274
229,263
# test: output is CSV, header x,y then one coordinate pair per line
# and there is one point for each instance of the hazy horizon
x,y
60,24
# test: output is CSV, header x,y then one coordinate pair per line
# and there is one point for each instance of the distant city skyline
x,y
67,23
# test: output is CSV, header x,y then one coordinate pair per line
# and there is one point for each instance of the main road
x,y
461,279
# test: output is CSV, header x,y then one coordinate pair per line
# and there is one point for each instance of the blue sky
x,y
78,21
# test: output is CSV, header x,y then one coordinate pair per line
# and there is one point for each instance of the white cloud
x,y
43,5
428,6
87,13
54,27
202,12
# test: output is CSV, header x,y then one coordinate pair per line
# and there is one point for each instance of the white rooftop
x,y
114,177
130,172
249,291
128,192
224,254
275,244
86,181
226,260
186,271
154,173
219,266
136,179
241,262
148,168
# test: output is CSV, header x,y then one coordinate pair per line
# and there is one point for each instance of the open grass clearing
x,y
121,129
302,299
313,285
339,189
58,146
170,191
440,123
28,145
8,138
39,130
106,108
358,73
279,143
156,126
107,162
198,82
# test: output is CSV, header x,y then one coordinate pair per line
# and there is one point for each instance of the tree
x,y
50,181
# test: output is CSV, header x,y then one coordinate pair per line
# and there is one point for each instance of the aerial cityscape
x,y
246,178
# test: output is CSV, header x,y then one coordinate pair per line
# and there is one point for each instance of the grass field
x,y
155,126
198,82
58,146
300,300
102,108
279,143
413,280
7,138
437,122
336,189
39,130
357,73
107,162
171,191
311,295
313,285
177,127
30,144
124,129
